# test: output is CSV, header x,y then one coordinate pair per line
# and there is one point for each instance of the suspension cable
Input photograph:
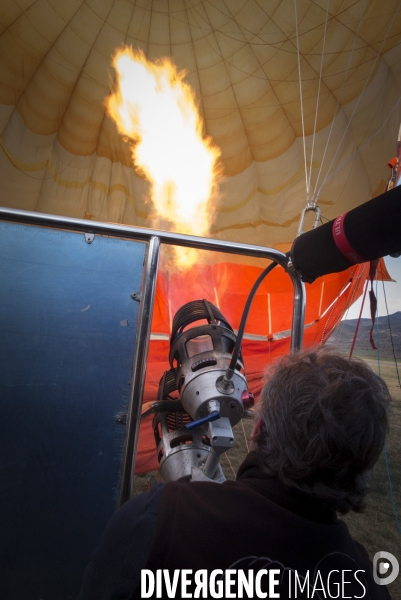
x,y
350,302
391,334
243,431
318,94
396,105
359,320
301,100
390,483
360,96
339,99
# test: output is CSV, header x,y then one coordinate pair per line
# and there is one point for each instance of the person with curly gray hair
x,y
321,426
319,429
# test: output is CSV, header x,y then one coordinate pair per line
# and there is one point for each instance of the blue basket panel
x,y
67,338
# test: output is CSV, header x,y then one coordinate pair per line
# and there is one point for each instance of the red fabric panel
x,y
228,285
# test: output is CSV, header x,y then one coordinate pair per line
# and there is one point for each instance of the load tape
x,y
365,233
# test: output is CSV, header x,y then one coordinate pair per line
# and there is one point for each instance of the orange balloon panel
x,y
227,285
327,300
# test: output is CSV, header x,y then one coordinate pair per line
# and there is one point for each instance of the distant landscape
x,y
344,334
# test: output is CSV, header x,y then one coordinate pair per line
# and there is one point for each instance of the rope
x,y
229,462
391,334
359,320
391,489
350,302
377,331
396,105
360,96
339,100
390,483
246,441
318,94
301,99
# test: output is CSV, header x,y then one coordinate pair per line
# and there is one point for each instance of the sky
x,y
393,293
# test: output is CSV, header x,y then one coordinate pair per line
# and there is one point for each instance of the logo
x,y
385,563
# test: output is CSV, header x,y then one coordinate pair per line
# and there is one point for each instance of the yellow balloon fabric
x,y
61,153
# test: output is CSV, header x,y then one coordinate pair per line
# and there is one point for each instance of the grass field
x,y
376,528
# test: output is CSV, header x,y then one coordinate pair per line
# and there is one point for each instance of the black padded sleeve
x,y
116,564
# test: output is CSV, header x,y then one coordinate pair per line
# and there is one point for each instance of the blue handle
x,y
210,417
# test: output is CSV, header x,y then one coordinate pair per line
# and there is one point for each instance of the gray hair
x,y
324,425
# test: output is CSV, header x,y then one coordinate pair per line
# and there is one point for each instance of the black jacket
x,y
251,523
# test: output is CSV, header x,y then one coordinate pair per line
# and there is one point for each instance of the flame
x,y
157,111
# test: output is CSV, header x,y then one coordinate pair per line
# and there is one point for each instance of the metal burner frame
x,y
154,239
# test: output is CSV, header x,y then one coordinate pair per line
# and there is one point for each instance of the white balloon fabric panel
x,y
264,74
